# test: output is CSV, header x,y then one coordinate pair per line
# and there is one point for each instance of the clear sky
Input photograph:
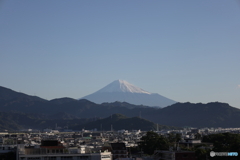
x,y
188,51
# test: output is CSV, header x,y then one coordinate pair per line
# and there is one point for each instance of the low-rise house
x,y
53,150
119,150
189,142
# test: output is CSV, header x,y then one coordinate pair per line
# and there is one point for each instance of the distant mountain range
x,y
19,109
123,91
119,122
16,121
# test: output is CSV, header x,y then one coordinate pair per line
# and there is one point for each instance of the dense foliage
x,y
223,142
153,141
226,142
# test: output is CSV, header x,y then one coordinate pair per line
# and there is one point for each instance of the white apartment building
x,y
60,153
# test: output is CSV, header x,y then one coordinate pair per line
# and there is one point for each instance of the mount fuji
x,y
123,91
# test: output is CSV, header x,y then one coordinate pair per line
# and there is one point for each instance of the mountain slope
x,y
123,91
180,114
119,122
122,86
213,114
8,94
123,104
16,121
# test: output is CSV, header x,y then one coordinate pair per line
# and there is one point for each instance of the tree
x,y
173,138
198,136
152,141
201,153
149,142
224,142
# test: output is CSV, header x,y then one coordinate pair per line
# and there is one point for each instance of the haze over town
x,y
184,50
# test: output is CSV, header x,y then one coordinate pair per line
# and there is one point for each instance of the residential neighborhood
x,y
51,144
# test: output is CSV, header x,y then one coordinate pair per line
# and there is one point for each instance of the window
x,y
82,158
33,158
66,158
105,156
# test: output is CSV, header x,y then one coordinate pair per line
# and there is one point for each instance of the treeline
x,y
222,142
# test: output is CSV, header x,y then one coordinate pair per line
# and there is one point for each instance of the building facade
x,y
53,150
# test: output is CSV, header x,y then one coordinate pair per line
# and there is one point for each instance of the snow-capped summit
x,y
123,91
122,86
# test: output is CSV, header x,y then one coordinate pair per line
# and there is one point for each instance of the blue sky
x,y
184,50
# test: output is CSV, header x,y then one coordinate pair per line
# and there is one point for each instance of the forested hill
x,y
213,114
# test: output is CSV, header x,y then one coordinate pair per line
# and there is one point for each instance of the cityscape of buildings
x,y
97,145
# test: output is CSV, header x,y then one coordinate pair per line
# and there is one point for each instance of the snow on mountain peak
x,y
123,91
122,86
